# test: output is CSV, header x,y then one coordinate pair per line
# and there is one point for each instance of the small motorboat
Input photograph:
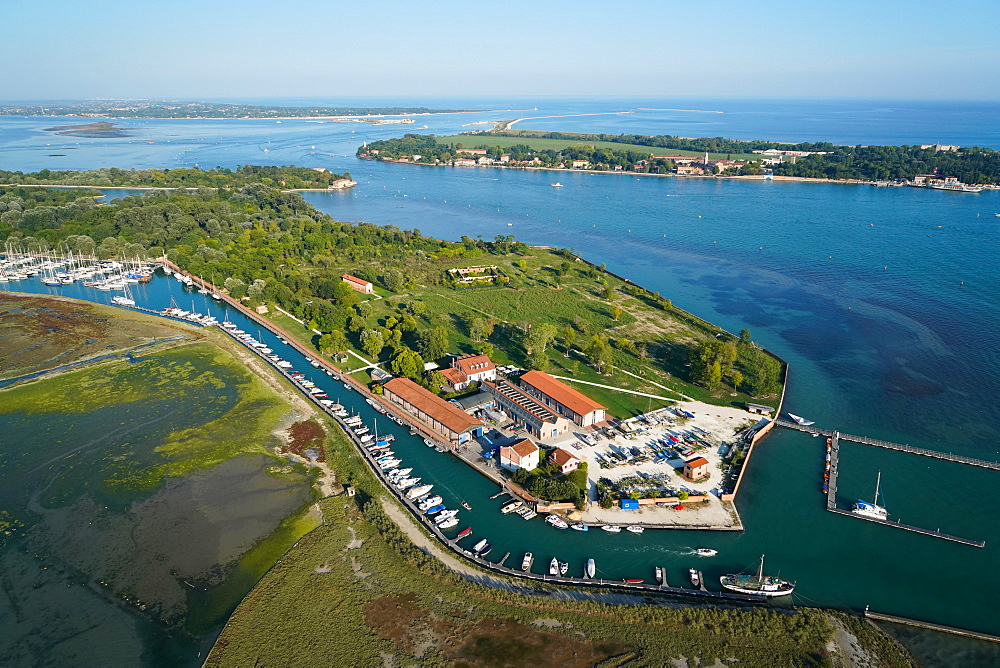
x,y
467,531
634,529
465,504
554,566
591,569
435,509
526,562
557,522
611,528
429,443
448,523
695,577
706,552
659,575
479,546
563,567
579,526
634,580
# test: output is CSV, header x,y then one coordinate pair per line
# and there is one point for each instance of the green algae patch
x,y
132,423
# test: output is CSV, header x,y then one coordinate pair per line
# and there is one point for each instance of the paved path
x,y
616,389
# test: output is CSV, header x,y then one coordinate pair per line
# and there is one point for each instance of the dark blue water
x,y
883,300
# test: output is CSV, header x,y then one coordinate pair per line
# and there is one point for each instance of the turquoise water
x,y
883,301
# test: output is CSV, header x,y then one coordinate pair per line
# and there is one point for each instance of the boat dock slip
x,y
899,447
879,617
833,450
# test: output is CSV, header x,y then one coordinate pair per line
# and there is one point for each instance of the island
x,y
427,330
928,165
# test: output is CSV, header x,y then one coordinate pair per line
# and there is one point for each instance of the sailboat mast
x,y
760,571
878,481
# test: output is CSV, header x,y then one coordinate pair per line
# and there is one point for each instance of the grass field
x,y
357,592
541,144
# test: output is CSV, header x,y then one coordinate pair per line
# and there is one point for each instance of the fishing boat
x,y
872,510
526,562
579,526
801,420
611,528
467,531
563,567
757,585
695,577
448,523
591,569
706,552
634,529
554,566
557,522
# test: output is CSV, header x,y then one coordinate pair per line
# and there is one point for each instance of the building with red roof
x,y
526,410
562,399
358,284
565,460
521,454
454,424
696,469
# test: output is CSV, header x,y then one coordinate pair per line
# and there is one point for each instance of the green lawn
x,y
541,144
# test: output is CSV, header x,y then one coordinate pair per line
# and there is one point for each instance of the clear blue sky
x,y
182,49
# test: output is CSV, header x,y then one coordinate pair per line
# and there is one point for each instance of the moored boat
x,y
634,580
480,545
449,523
579,526
590,569
695,576
557,522
801,420
526,562
634,529
554,566
467,531
757,585
872,510
611,528
563,567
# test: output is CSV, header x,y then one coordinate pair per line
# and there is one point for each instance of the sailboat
x,y
123,300
872,510
801,420
757,585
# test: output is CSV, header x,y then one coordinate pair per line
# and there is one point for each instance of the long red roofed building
x,y
446,419
562,399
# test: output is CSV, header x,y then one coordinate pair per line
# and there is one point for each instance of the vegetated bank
x,y
665,154
357,591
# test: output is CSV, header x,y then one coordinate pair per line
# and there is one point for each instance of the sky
x,y
227,49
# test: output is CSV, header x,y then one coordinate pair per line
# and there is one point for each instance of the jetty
x,y
833,451
881,617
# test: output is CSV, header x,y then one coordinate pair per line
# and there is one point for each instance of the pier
x,y
833,451
880,617
899,447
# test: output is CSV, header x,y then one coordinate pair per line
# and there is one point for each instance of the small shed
x,y
759,409
630,504
696,469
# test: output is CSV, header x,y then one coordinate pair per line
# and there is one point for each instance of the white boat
x,y
511,507
445,515
563,567
480,545
872,510
611,528
706,552
634,529
556,185
448,523
526,562
591,569
554,566
579,526
757,585
419,491
695,577
801,420
557,522
427,504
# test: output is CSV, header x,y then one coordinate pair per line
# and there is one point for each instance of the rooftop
x,y
450,416
525,401
355,279
696,462
562,457
523,448
474,363
564,394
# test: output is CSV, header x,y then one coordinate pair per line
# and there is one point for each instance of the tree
x,y
434,343
480,329
744,335
712,375
737,379
407,363
683,495
616,311
538,338
599,353
372,342
334,342
567,335
364,309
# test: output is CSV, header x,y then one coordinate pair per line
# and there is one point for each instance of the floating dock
x,y
830,477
